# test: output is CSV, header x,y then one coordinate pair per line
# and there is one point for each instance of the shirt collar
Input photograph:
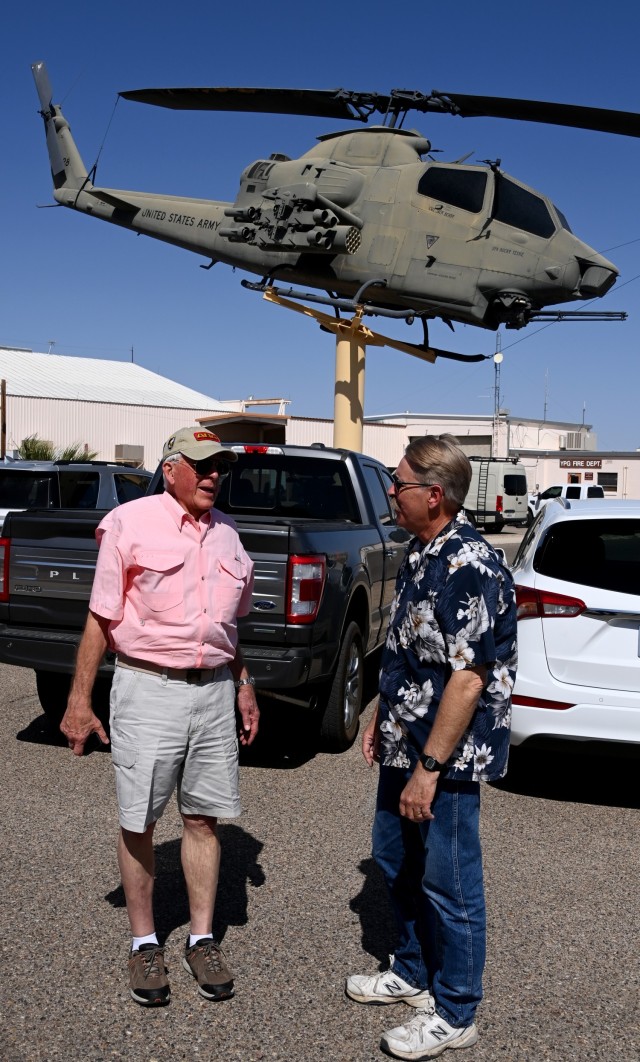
x,y
433,548
178,515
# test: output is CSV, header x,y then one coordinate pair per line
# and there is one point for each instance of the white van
x,y
497,494
571,491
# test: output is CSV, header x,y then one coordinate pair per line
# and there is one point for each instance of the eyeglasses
x,y
403,484
208,465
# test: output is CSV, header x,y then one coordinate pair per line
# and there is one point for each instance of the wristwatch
x,y
430,763
250,681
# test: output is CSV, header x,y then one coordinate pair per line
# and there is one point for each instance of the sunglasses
x,y
208,465
402,484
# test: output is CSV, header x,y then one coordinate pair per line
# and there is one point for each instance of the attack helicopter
x,y
366,218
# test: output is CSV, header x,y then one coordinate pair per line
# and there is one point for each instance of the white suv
x,y
577,576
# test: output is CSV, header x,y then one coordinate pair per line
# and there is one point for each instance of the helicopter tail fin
x,y
67,168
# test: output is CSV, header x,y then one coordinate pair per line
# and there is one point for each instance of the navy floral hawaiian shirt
x,y
454,607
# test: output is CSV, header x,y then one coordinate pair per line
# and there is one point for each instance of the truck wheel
x,y
341,717
495,529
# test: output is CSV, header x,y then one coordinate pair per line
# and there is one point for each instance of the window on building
x,y
608,481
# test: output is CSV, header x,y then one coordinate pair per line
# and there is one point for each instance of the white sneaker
x,y
386,987
426,1035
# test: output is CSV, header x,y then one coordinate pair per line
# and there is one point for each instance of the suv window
x,y
573,492
130,486
79,490
551,492
28,489
514,485
602,553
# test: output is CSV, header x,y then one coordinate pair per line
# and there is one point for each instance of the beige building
x,y
124,411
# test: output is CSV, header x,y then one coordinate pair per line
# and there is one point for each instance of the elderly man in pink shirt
x,y
171,579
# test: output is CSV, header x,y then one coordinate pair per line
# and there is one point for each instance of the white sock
x,y
137,941
199,936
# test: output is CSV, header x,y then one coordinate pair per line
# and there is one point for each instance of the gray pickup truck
x,y
320,529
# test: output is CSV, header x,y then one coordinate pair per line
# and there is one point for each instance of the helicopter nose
x,y
596,280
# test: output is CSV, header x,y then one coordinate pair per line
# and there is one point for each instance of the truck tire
x,y
53,692
341,717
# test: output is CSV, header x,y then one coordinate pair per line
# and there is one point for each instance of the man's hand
x,y
371,742
80,722
418,794
249,713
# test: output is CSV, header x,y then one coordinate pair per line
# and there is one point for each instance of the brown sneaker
x,y
206,961
148,981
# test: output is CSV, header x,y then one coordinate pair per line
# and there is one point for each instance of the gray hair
x,y
439,459
170,461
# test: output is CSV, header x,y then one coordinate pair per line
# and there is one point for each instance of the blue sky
x,y
97,291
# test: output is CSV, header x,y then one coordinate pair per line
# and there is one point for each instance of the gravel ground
x,y
301,905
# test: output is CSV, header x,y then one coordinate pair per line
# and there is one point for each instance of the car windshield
x,y
601,553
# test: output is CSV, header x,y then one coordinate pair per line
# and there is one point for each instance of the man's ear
x,y
168,471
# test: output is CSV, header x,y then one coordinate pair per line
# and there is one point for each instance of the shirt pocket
x,y
229,578
160,584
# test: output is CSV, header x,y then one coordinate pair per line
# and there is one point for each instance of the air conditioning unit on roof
x,y
576,440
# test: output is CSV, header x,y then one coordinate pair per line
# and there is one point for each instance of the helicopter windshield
x,y
451,184
563,221
520,208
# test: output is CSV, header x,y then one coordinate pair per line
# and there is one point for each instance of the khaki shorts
x,y
167,734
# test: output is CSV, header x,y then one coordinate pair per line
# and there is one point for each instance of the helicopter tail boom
x,y
68,171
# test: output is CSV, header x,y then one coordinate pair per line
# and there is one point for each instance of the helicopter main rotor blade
x,y
626,123
323,103
343,103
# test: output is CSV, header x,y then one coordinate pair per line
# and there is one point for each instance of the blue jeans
x,y
434,874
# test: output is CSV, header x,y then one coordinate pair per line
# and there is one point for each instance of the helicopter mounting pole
x,y
352,339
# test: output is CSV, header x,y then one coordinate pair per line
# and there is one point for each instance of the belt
x,y
184,674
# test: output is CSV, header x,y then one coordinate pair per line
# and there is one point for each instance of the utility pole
x,y
495,435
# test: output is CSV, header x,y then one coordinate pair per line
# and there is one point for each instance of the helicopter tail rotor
x,y
67,168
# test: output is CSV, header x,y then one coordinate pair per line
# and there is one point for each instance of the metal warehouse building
x,y
115,407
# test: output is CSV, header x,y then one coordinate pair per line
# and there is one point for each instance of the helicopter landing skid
x,y
360,309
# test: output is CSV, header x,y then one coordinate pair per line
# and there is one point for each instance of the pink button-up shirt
x,y
171,586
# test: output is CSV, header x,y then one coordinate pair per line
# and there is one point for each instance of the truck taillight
x,y
4,569
499,508
542,604
305,583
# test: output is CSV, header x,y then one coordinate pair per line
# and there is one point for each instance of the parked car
x,y
571,491
577,575
68,485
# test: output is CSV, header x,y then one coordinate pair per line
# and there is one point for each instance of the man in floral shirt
x,y
441,727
